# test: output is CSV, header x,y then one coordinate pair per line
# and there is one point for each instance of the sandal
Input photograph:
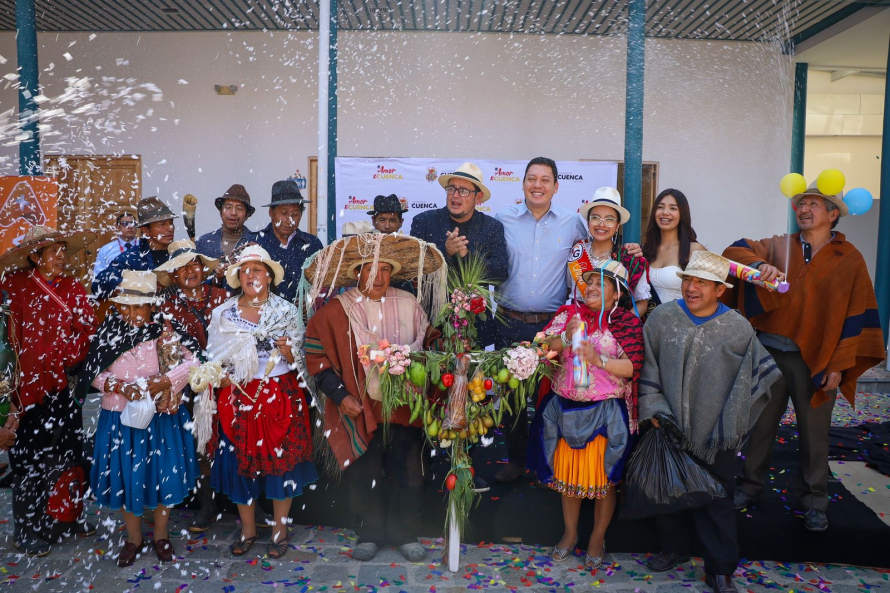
x,y
595,561
242,547
561,554
278,549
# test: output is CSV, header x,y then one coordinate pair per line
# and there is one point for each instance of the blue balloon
x,y
858,200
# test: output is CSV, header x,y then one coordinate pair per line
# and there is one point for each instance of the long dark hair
x,y
685,232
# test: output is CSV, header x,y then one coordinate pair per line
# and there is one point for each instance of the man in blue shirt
x,y
126,230
539,237
282,238
156,221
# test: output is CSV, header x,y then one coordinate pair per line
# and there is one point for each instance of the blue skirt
x,y
135,468
224,477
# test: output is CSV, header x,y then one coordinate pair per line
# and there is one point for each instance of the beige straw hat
x,y
707,265
181,252
468,172
136,288
39,237
606,196
813,190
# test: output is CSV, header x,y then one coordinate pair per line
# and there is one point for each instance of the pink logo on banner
x,y
504,176
384,173
354,203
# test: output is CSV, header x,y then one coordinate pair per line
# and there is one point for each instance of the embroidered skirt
x,y
579,448
135,468
264,442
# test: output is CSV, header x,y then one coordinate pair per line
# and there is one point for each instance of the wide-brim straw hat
x,y
253,253
37,238
606,196
403,252
468,172
813,190
707,265
181,252
136,288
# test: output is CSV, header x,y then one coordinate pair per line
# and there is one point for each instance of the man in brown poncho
x,y
383,476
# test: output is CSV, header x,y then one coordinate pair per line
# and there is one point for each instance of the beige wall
x,y
716,115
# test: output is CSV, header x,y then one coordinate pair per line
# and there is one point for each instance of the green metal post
x,y
633,118
798,131
26,48
332,125
882,274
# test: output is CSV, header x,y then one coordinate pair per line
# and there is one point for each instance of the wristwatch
x,y
603,359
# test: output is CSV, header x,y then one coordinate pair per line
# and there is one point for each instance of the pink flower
x,y
379,359
383,344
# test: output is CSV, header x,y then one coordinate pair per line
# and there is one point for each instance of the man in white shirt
x,y
126,238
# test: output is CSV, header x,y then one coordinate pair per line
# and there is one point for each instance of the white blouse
x,y
666,283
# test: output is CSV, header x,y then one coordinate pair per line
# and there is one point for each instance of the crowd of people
x,y
669,343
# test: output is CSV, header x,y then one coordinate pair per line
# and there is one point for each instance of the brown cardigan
x,y
830,311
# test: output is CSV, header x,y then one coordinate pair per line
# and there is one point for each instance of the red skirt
x,y
270,429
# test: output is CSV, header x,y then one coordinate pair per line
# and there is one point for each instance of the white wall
x,y
716,114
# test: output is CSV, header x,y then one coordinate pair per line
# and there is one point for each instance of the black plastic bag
x,y
661,479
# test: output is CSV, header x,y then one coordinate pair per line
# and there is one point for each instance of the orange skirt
x,y
581,473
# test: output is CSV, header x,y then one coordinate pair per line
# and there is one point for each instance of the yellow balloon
x,y
793,184
831,182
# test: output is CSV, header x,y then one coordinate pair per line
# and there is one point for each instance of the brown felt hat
x,y
239,193
151,209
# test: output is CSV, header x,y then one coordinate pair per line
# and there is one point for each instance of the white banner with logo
x,y
415,181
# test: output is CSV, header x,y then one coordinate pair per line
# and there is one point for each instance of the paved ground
x,y
320,557
320,560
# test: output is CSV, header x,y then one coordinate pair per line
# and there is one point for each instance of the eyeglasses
x,y
127,223
598,220
461,191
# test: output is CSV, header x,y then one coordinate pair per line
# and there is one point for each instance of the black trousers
x,y
385,487
714,524
516,436
49,441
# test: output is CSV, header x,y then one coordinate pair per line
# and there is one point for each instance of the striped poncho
x,y
830,311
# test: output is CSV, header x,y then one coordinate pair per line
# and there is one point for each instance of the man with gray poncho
x,y
705,379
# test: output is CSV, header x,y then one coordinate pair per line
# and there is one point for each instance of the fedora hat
x,y
151,209
253,253
707,265
606,196
239,193
286,192
471,173
136,288
37,238
390,203
181,252
813,190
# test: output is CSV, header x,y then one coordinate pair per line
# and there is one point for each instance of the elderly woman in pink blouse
x,y
140,361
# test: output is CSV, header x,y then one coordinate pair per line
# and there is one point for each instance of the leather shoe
x,y
816,520
666,561
720,583
741,499
129,553
164,550
510,473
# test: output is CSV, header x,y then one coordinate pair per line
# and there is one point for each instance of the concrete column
x,y
798,131
26,47
633,118
882,273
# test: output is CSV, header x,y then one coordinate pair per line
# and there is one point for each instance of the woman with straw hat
x,y
191,301
52,324
604,216
580,439
264,443
140,363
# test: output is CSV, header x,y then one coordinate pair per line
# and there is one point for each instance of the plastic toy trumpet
x,y
752,275
189,206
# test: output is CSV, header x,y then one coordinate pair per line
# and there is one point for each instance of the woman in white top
x,y
670,241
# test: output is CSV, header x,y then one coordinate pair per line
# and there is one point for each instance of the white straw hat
x,y
707,265
136,288
253,253
468,172
606,196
